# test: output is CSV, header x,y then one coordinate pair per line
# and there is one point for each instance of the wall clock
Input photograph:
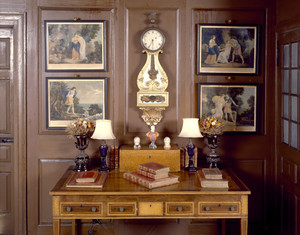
x,y
152,81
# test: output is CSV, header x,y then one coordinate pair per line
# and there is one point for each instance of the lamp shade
x,y
103,130
190,128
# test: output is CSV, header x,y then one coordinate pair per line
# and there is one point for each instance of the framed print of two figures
x,y
228,49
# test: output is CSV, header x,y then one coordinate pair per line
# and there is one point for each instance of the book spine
x,y
186,158
116,157
182,154
195,159
136,179
112,157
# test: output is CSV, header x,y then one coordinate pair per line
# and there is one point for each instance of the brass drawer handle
x,y
94,209
179,208
121,209
207,208
232,208
69,209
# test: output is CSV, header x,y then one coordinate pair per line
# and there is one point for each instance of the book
x,y
153,176
112,157
86,176
99,182
195,157
154,167
116,157
212,183
212,173
182,157
149,183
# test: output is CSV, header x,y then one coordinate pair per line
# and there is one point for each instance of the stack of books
x,y
212,178
152,175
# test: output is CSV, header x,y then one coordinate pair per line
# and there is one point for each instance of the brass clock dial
x,y
152,39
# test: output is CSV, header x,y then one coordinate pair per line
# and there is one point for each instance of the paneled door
x,y
288,138
12,125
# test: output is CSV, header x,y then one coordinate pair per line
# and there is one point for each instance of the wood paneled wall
x,y
49,152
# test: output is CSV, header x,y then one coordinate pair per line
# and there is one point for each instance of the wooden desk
x,y
120,199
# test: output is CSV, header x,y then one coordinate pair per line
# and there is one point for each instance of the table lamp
x,y
103,131
190,129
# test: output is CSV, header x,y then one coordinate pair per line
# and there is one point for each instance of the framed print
x,y
75,46
71,98
235,104
228,49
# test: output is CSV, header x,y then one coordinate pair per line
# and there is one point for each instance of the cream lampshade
x,y
190,129
103,131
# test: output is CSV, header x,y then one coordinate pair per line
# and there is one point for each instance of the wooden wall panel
x,y
50,152
137,22
253,174
5,53
5,153
66,14
5,106
50,170
5,193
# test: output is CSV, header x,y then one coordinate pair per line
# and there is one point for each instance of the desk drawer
x,y
179,208
81,208
121,209
151,209
219,207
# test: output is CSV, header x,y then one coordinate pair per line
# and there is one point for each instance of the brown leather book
x,y
212,183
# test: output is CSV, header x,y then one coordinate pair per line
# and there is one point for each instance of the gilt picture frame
x,y
235,104
70,98
228,49
75,46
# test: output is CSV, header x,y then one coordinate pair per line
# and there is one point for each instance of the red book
x,y
99,182
153,176
148,182
154,167
86,176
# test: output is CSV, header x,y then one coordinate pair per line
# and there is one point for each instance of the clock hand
x,y
152,43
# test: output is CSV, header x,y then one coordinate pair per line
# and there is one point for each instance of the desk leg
x,y
244,226
56,227
74,226
223,224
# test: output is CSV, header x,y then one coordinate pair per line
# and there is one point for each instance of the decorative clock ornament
x,y
152,80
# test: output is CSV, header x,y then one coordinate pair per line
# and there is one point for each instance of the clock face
x,y
152,39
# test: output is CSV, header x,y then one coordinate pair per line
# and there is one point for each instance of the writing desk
x,y
122,199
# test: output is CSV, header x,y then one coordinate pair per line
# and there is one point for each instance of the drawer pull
x,y
232,208
121,209
94,209
69,209
179,208
207,208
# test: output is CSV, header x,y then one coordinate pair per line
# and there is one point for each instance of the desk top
x,y
116,185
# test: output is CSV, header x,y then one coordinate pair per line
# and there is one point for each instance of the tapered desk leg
x,y
244,226
223,226
74,226
56,227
